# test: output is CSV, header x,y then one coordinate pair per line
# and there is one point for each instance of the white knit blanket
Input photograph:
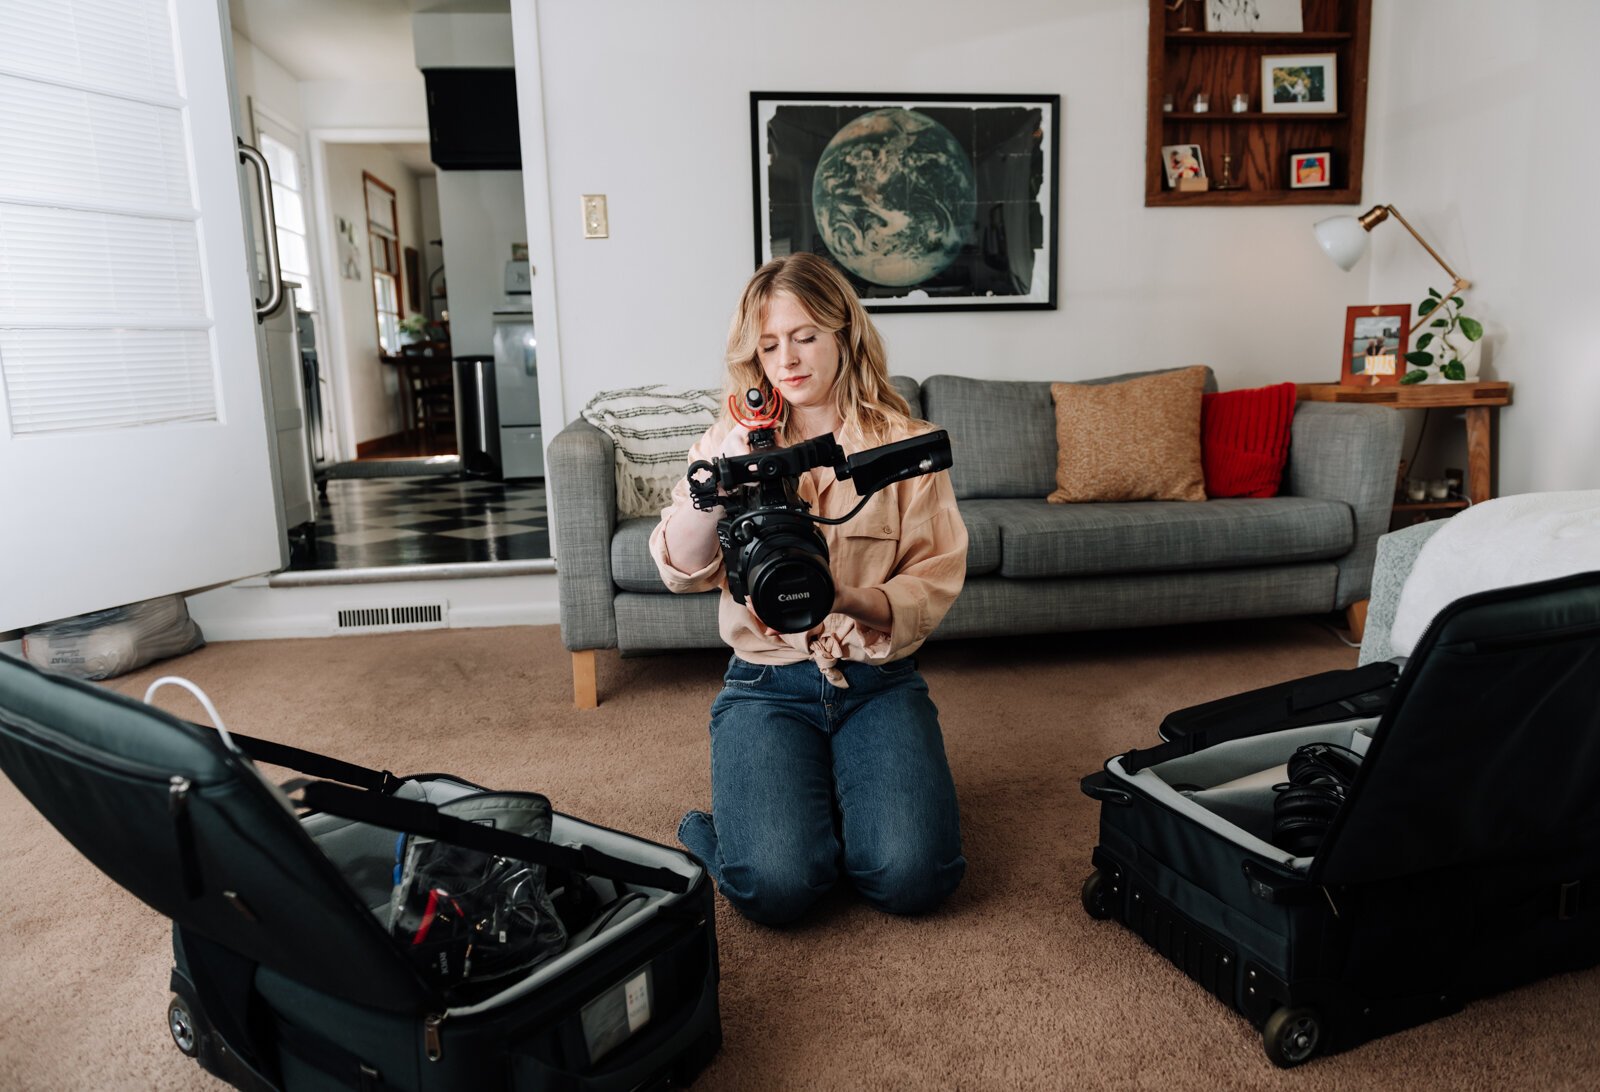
x,y
652,428
1511,540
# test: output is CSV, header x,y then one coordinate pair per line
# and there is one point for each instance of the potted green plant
x,y
416,328
1439,355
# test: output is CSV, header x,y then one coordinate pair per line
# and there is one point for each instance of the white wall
x,y
480,216
401,103
370,384
1483,151
660,123
259,77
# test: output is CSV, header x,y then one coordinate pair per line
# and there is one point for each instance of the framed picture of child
x,y
1374,344
1182,161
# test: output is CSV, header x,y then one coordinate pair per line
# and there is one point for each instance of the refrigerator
x,y
516,380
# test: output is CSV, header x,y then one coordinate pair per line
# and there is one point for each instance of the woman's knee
x,y
777,891
910,878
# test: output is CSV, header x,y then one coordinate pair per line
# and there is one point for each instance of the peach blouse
x,y
909,542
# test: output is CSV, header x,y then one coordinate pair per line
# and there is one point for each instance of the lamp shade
x,y
1343,238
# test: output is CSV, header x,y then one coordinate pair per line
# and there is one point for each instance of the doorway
x,y
385,332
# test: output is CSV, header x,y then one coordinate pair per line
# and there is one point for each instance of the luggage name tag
x,y
611,1018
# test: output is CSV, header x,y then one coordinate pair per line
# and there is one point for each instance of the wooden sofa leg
x,y
1356,615
584,695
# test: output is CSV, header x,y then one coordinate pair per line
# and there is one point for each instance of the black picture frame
x,y
988,185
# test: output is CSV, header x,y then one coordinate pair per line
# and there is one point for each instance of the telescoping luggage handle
x,y
372,801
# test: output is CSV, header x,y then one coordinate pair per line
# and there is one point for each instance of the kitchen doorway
x,y
432,456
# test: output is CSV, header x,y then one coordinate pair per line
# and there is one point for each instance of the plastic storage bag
x,y
105,643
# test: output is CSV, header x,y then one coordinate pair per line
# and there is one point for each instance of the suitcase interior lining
x,y
1228,787
364,853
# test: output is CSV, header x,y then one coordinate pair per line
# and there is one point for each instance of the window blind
x,y
104,317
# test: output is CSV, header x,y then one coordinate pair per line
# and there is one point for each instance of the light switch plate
x,y
595,224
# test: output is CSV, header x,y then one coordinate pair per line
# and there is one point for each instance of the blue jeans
x,y
808,780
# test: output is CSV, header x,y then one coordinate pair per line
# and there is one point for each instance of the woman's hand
x,y
736,442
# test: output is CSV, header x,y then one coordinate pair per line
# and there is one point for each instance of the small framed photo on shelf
x,y
1249,16
1374,344
1310,168
1299,83
1182,162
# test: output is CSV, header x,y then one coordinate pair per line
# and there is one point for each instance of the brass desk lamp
x,y
1344,238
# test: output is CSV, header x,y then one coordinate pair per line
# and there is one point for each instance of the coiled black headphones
x,y
1320,776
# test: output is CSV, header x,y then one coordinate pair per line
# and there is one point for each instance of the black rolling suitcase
x,y
286,975
1337,881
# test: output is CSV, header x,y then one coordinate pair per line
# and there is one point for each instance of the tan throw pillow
x,y
1134,440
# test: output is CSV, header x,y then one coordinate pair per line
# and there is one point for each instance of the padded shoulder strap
x,y
420,817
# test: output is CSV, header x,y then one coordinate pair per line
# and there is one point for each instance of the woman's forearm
x,y
692,538
869,606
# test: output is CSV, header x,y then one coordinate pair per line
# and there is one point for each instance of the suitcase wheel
x,y
181,1024
1095,896
1291,1035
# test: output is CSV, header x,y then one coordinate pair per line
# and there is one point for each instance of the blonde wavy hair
x,y
862,392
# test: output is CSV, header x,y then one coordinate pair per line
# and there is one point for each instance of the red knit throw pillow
x,y
1244,440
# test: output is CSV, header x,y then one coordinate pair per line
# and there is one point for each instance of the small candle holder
x,y
1202,103
1416,489
1166,104
1241,103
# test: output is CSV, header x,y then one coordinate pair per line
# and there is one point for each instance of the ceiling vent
x,y
388,619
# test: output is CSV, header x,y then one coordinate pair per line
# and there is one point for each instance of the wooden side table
x,y
1480,400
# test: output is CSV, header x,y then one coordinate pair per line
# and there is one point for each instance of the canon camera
x,y
775,557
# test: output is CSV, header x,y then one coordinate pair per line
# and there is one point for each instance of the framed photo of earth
x,y
924,202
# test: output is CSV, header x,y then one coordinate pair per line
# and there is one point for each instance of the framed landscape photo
x,y
1181,161
936,202
1310,168
1299,83
1374,344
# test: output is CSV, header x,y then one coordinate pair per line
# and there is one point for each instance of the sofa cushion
x,y
910,390
983,541
1003,432
1133,441
1039,539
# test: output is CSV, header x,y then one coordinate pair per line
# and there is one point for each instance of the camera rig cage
x,y
773,554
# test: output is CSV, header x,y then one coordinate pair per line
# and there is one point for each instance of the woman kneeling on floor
x,y
826,755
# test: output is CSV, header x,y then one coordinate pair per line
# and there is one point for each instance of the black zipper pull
x,y
183,834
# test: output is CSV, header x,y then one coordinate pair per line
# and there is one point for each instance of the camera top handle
x,y
775,468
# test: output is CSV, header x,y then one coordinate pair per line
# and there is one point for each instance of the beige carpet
x,y
1009,986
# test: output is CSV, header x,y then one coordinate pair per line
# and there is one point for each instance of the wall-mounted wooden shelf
x,y
1183,63
1201,37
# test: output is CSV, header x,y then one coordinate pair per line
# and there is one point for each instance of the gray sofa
x,y
1032,567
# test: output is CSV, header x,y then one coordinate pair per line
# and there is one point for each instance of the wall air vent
x,y
379,619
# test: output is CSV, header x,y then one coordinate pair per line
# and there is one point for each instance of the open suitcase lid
x,y
224,858
1489,752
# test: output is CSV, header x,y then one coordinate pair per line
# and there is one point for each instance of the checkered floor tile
x,y
378,522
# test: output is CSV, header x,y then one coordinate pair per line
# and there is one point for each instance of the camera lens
x,y
790,587
785,572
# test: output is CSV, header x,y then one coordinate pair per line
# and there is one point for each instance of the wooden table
x,y
1478,399
413,372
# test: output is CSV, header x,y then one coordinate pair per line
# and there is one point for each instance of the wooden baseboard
x,y
584,692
